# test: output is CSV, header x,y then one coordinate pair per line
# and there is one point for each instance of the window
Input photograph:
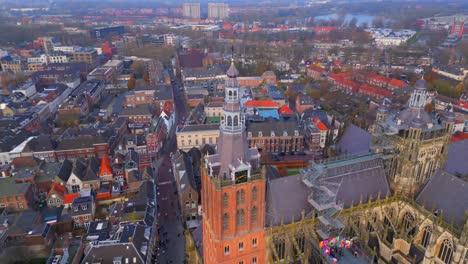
x,y
241,246
301,243
85,218
446,251
225,222
20,205
240,197
427,232
408,220
240,217
134,259
190,195
253,216
84,207
187,205
254,260
370,223
75,188
225,200
226,250
254,193
280,249
254,242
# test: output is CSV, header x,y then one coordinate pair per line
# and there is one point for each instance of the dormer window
x,y
249,134
84,207
260,134
285,133
272,134
75,208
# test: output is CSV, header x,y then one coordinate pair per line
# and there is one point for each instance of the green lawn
x,y
213,119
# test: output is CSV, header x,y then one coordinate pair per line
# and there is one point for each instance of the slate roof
x,y
84,206
456,158
191,60
447,193
40,143
184,171
354,141
9,187
65,170
204,127
278,206
278,126
136,110
79,142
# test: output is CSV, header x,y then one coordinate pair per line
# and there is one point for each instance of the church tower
x,y
420,140
233,190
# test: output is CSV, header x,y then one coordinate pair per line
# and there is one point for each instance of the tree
x,y
138,68
131,83
429,108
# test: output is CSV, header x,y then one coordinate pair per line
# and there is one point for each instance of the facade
x,y
106,32
86,55
233,208
190,136
214,109
275,136
218,10
83,209
191,10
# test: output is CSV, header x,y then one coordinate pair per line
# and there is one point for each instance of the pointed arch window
x,y
407,224
370,222
426,236
230,93
446,251
229,121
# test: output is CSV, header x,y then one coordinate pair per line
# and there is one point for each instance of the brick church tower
x,y
233,190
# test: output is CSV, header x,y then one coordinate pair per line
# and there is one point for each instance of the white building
x,y
66,49
218,10
28,89
385,37
191,10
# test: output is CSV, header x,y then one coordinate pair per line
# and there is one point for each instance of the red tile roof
x,y
285,110
397,83
459,136
69,197
261,103
316,68
106,168
378,77
58,189
319,124
369,90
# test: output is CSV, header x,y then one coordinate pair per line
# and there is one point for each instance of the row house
x,y
396,84
377,80
374,92
185,171
16,196
141,97
316,72
346,85
318,129
83,175
83,210
138,114
82,146
304,102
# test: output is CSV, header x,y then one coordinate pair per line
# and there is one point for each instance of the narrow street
x,y
171,233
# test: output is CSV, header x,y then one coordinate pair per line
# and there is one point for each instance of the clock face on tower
x,y
241,176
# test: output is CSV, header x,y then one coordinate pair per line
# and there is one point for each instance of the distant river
x,y
361,18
